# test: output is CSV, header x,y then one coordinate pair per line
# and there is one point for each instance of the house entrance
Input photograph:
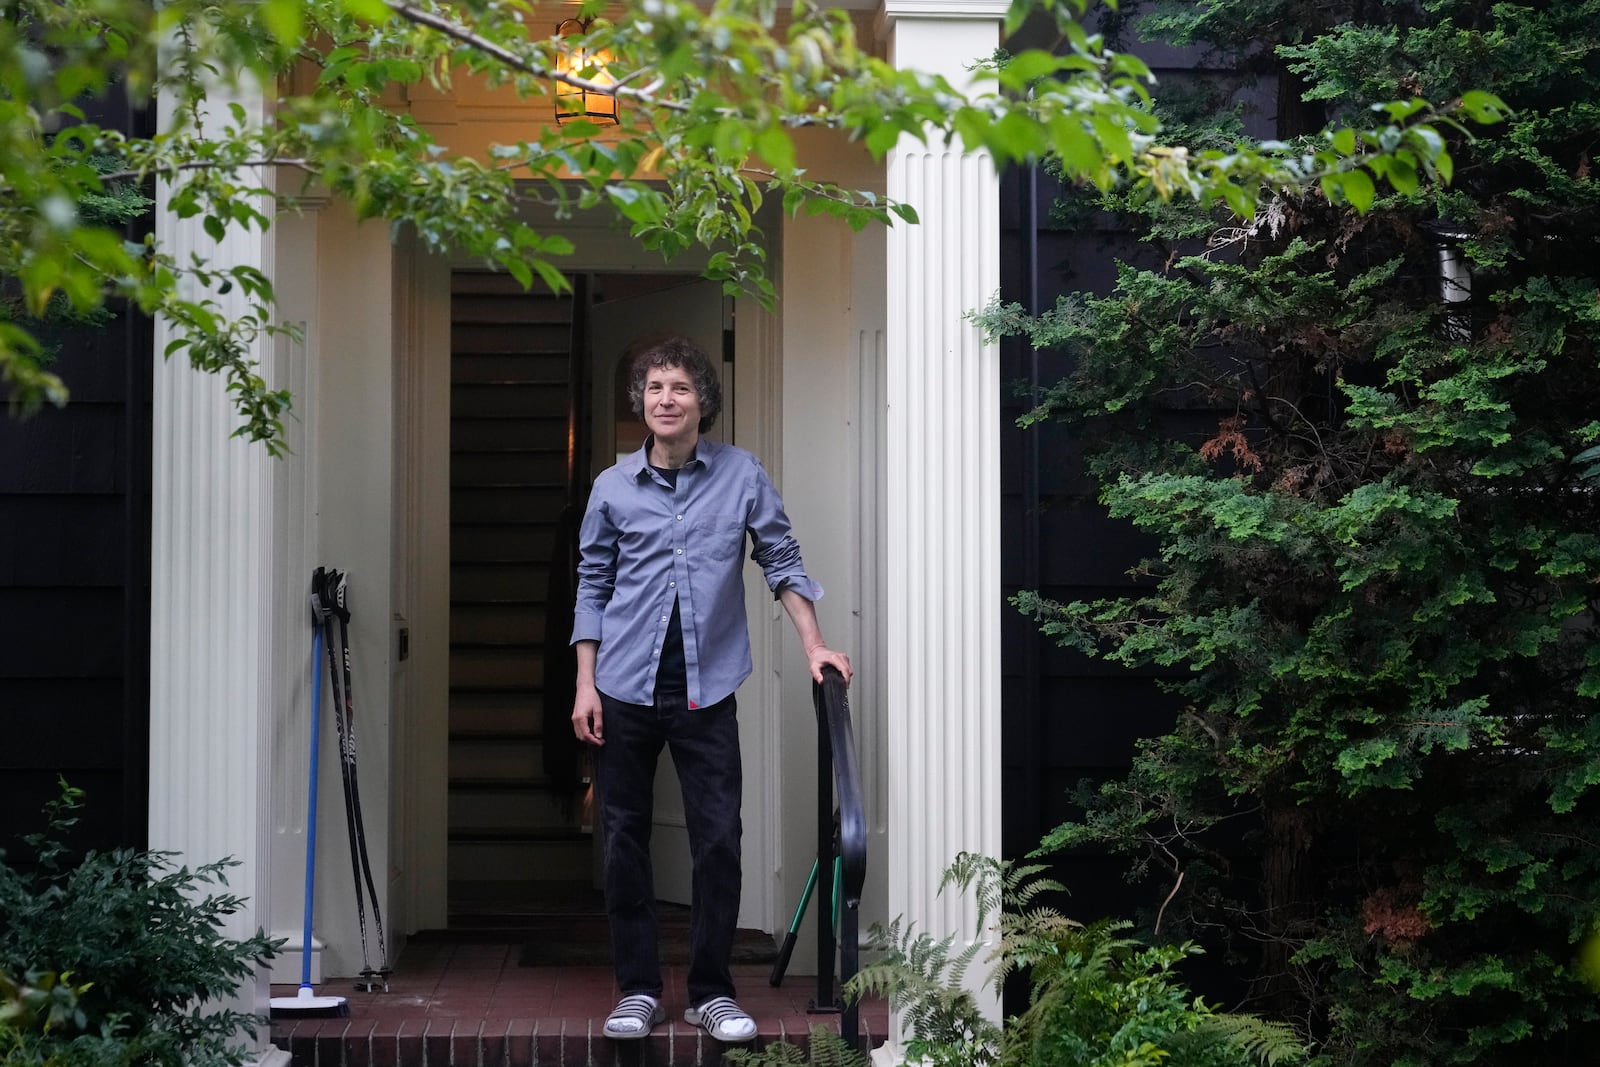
x,y
537,408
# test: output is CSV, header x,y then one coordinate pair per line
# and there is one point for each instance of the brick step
x,y
531,1042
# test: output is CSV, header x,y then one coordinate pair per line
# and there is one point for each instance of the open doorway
x,y
537,410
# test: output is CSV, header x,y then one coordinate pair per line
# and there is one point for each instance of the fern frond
x,y
777,1054
1023,883
828,1049
984,877
1266,1042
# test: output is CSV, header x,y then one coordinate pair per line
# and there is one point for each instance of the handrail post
x,y
841,853
849,964
824,1001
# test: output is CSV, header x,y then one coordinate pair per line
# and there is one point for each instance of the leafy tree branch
x,y
708,102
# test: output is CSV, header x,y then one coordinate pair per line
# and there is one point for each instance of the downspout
x,y
138,338
1032,570
1455,279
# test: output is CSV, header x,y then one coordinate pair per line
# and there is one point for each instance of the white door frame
x,y
422,594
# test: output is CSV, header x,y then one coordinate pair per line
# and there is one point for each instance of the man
x,y
662,643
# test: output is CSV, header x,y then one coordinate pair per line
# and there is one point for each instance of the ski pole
x,y
360,860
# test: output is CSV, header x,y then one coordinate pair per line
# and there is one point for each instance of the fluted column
x,y
212,688
943,498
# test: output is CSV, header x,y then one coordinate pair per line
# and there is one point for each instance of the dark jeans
x,y
705,750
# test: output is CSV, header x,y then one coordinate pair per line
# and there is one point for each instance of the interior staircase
x,y
514,426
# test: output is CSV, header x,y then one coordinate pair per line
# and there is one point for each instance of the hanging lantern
x,y
575,58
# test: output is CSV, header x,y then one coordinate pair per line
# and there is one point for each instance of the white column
x,y
212,688
943,499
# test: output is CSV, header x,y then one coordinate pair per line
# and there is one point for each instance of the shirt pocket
x,y
721,537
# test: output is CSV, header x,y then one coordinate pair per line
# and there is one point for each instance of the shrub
x,y
1097,999
119,957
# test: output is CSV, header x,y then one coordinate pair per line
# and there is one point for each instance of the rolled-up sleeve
x,y
597,571
775,550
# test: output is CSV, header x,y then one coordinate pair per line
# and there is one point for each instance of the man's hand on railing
x,y
820,656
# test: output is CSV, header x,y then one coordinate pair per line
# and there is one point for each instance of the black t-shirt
x,y
672,675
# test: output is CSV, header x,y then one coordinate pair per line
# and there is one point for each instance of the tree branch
x,y
1175,886
617,90
300,164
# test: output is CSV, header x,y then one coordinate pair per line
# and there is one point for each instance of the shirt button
x,y
672,585
663,618
679,551
680,518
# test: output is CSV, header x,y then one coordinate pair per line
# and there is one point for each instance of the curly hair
x,y
674,350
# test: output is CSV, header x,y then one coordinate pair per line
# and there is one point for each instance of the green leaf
x,y
1079,152
553,278
374,12
776,148
520,270
881,138
1114,137
1025,67
1356,188
284,20
1399,110
1484,107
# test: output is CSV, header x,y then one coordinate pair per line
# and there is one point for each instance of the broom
x,y
306,1002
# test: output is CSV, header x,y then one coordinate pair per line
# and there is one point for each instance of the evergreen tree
x,y
1374,589
117,204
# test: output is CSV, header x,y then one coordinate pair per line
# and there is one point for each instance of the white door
x,y
694,310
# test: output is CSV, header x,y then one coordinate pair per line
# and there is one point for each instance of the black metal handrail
x,y
843,835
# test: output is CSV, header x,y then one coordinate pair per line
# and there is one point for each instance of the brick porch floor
x,y
468,1004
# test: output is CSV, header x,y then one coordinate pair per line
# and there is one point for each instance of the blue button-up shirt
x,y
645,542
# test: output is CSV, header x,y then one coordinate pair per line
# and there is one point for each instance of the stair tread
x,y
500,383
517,450
561,834
507,689
502,522
496,735
492,416
527,784
476,701
509,485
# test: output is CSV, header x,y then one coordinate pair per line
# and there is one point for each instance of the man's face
x,y
671,405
